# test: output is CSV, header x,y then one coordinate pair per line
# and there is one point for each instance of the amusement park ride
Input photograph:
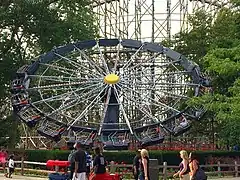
x,y
110,91
126,87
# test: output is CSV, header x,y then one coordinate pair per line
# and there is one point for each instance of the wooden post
x,y
22,165
219,168
164,170
236,168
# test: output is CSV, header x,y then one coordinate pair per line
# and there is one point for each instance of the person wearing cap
x,y
136,164
80,164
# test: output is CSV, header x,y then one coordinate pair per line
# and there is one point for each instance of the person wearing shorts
x,y
10,167
80,164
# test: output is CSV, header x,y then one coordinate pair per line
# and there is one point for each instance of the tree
x,y
31,27
213,43
223,66
195,43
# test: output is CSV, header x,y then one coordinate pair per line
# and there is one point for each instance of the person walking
x,y
10,167
144,165
80,168
99,163
136,164
88,162
3,159
196,173
184,169
71,160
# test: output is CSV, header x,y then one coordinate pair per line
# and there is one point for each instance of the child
x,y
10,167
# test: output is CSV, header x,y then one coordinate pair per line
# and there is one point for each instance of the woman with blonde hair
x,y
183,172
144,165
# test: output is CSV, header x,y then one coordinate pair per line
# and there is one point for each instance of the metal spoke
x,y
103,59
90,105
59,69
105,110
91,63
77,65
61,85
153,100
131,58
134,99
59,78
169,93
78,100
117,59
146,74
141,109
123,111
61,96
162,84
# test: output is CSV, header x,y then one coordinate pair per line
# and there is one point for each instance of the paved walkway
x,y
237,178
16,177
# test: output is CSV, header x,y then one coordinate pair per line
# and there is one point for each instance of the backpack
x,y
71,157
200,174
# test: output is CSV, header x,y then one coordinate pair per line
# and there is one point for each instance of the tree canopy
x,y
215,45
31,27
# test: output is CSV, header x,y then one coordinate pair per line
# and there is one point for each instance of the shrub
x,y
171,157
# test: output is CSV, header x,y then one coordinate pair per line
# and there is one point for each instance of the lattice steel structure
x,y
148,20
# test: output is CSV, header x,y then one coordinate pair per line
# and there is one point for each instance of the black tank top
x,y
142,168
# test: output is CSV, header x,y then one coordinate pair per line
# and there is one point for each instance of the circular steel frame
x,y
63,93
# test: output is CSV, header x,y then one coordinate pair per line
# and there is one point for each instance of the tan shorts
x,y
185,177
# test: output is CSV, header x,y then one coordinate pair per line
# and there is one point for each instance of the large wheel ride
x,y
108,90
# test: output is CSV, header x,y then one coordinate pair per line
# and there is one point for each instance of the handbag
x,y
200,174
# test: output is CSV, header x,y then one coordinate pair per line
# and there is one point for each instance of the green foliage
x,y
213,43
223,66
9,134
171,157
225,29
195,43
31,27
44,155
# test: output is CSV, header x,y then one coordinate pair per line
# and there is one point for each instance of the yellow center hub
x,y
111,79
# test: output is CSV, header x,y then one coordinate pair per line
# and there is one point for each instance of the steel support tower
x,y
148,20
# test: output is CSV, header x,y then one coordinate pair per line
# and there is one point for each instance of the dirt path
x,y
16,177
